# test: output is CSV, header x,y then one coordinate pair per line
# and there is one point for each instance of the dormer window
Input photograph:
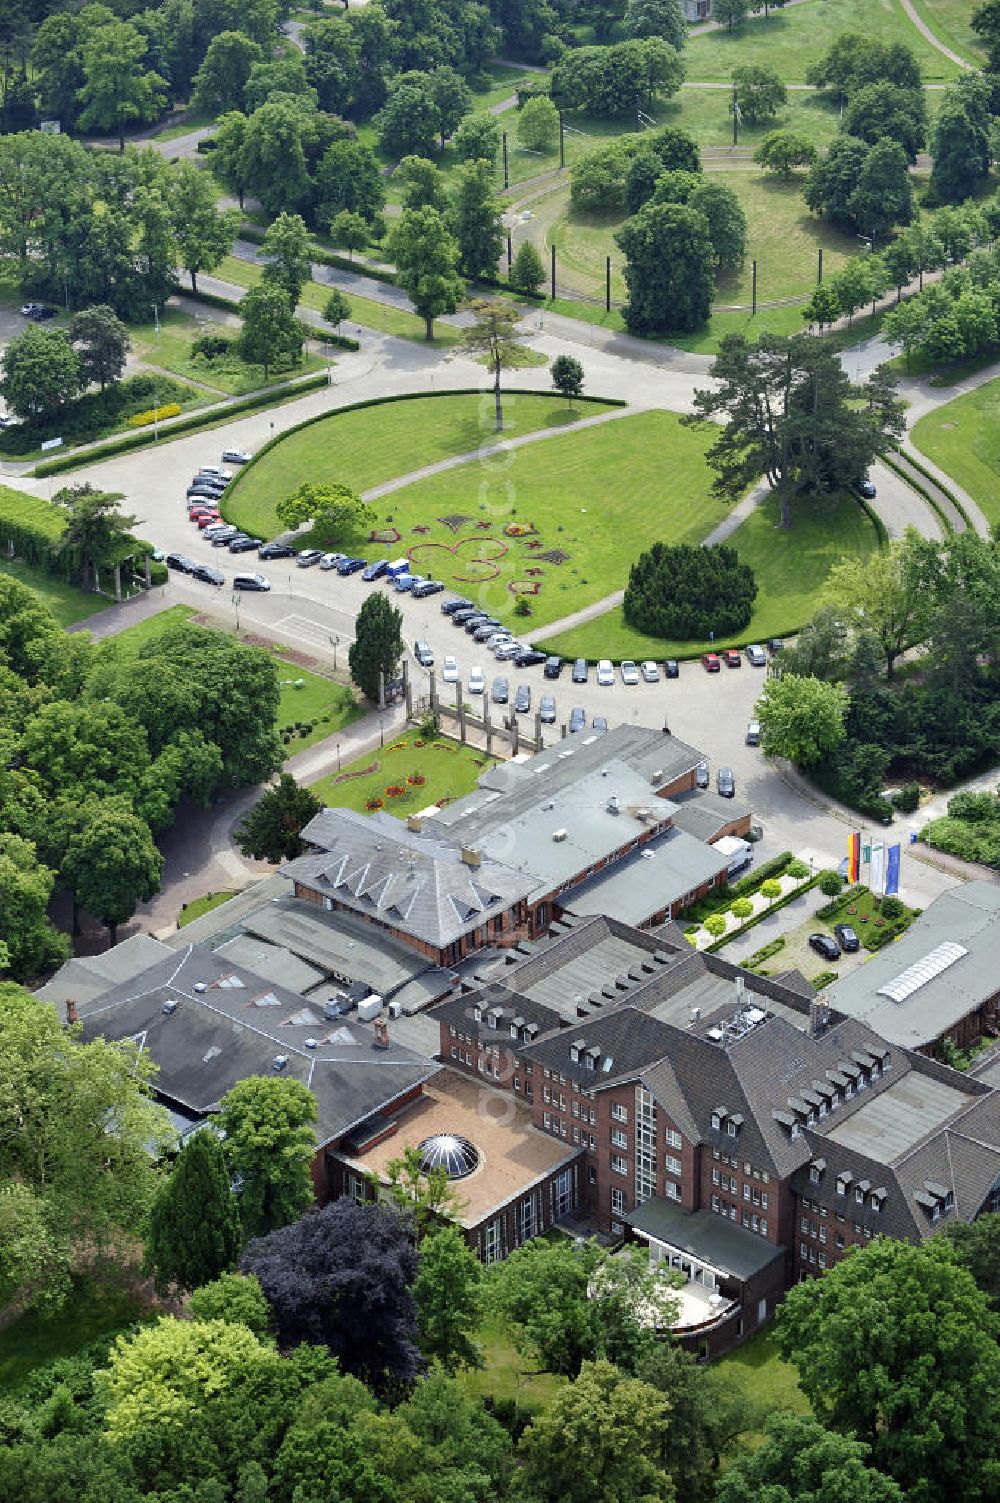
x,y
477,1013
949,1201
716,1121
859,1196
588,1060
843,1183
731,1128
813,1175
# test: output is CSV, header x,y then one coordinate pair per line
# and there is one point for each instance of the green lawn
x,y
782,236
768,1381
949,21
505,1375
370,445
200,906
170,350
191,120
96,1307
790,568
706,115
448,769
368,312
65,601
788,41
319,703
592,500
135,637
963,439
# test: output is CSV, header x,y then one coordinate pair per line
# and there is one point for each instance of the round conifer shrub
x,y
688,591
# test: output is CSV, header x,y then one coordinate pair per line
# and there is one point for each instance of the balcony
x,y
700,1308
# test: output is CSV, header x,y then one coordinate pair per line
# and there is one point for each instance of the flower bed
x,y
722,925
395,790
154,415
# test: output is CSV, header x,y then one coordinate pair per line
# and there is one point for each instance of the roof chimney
x,y
380,1039
471,857
71,1013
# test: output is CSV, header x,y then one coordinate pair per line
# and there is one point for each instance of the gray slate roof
x,y
377,867
88,976
670,867
229,1024
968,915
719,1242
340,945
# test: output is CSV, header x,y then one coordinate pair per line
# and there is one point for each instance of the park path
x,y
928,36
486,451
578,618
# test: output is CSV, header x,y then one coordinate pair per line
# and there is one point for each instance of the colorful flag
x,y
892,871
877,877
854,856
866,851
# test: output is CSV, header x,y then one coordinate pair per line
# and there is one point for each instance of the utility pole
x,y
819,267
562,140
753,294
553,272
509,255
506,175
607,285
736,118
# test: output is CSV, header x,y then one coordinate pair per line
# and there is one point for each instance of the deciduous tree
x,y
96,527
493,337
349,231
41,372
759,92
271,335
893,594
204,234
335,511
336,308
918,1380
31,943
269,1145
236,1298
567,377
117,86
426,256
477,138
802,718
538,124
656,18
285,253
112,864
348,178
101,340
801,1462
781,151
475,220
669,269
221,81
448,1291
341,1278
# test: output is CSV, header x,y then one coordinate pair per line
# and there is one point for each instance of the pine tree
x,y
194,1228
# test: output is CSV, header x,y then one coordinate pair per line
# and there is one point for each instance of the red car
x,y
710,662
207,519
732,657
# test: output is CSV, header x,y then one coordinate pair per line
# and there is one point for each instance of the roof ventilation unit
x,y
559,835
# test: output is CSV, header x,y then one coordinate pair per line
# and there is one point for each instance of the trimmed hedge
x,y
796,892
211,417
932,502
945,490
776,867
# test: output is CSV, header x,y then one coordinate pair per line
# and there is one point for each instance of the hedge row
x,y
876,521
34,528
945,490
216,300
946,523
796,892
211,417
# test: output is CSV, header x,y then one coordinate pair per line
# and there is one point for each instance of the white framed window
x,y
619,1112
673,1139
618,1138
672,1191
619,1165
617,1201
527,1218
546,1121
763,1227
564,1193
672,1164
491,1241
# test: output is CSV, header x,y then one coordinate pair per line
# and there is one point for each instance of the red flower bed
x,y
374,803
395,790
416,780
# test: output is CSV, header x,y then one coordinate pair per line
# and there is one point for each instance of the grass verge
x,y
447,769
790,568
96,1307
963,439
170,350
200,906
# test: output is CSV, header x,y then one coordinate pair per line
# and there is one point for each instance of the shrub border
x,y
945,489
796,892
400,396
210,417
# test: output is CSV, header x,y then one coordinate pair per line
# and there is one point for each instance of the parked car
x,y
236,456
204,516
477,681
374,571
671,668
28,310
527,657
308,557
209,575
500,693
209,519
725,782
711,662
605,673
213,469
476,622
424,654
331,560
465,613
522,699
401,583
497,637
449,670
756,656
351,565
775,645
581,671
701,775
824,945
484,632
244,545
507,651
867,489
427,587
205,488
577,719
847,938
277,550
629,673
224,538
180,562
449,607
553,667
753,733
732,658
251,582
547,709
650,672
599,723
